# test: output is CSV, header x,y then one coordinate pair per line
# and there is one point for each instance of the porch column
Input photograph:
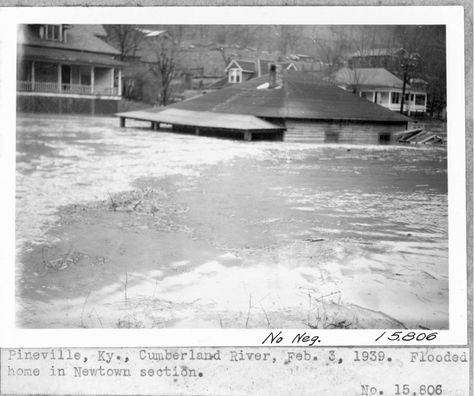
x,y
33,76
112,81
59,78
119,82
373,96
408,104
92,79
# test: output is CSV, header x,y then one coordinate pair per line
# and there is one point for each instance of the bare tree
x,y
331,49
164,67
126,38
287,37
222,35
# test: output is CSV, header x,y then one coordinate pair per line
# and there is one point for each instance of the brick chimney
x,y
275,78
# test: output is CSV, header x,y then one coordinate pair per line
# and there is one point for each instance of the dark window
x,y
52,32
384,137
412,97
420,99
25,71
395,97
331,137
85,76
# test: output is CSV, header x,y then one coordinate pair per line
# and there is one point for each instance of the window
x,y
331,137
407,96
384,137
395,97
412,97
420,100
24,71
52,32
235,75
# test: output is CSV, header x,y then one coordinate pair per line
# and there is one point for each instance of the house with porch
x,y
384,88
65,68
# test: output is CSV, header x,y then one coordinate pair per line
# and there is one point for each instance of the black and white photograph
x,y
231,176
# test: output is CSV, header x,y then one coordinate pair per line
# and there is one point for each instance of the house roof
x,y
251,66
245,65
373,77
97,30
63,55
204,119
221,83
78,38
376,52
152,33
302,96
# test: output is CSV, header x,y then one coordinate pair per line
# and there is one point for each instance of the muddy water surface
x,y
134,228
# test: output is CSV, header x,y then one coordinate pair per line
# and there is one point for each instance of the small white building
x,y
382,87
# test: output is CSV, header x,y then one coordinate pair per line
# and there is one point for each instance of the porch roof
x,y
67,56
203,119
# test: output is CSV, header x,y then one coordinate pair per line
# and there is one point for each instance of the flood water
x,y
136,228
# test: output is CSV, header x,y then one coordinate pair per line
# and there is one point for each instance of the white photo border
x,y
451,16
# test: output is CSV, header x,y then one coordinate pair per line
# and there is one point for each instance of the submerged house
x,y
67,69
382,87
291,106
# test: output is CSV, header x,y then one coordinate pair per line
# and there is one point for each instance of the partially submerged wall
x,y
341,131
61,105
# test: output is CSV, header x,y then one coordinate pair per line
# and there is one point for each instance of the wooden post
x,y
197,131
59,78
33,76
157,126
119,93
122,122
112,82
248,136
92,79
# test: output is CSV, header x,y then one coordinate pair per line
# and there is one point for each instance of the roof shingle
x,y
78,38
373,77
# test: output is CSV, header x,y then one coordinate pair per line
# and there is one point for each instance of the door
x,y
65,78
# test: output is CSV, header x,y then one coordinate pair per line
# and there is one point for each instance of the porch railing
x,y
53,87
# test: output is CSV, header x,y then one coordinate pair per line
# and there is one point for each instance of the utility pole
x,y
405,77
408,62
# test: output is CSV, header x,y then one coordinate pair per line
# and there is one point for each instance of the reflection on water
x,y
258,233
